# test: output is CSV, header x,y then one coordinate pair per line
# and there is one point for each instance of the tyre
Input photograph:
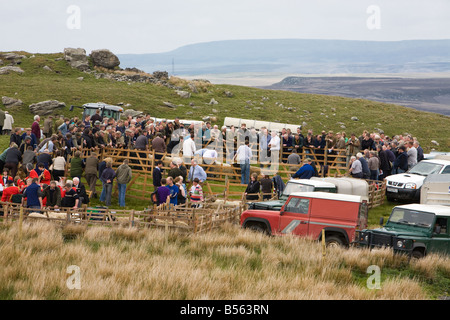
x,y
417,254
334,242
258,228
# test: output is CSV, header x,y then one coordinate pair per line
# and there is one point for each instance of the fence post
x,y
20,222
323,244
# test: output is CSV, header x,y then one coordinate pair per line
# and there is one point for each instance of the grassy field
x,y
227,264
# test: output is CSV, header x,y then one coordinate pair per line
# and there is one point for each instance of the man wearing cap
x,y
34,141
306,171
96,126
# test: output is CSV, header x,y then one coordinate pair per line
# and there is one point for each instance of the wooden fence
x,y
223,178
183,219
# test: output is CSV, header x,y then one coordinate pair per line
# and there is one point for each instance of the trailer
x,y
436,190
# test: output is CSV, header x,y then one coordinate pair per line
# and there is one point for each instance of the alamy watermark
x,y
374,281
374,20
74,280
73,21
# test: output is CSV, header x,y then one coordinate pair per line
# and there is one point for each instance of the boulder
x,y
104,58
161,75
132,113
76,57
12,58
46,107
8,69
11,102
47,68
213,101
183,94
169,104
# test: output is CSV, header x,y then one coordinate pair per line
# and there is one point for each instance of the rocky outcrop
x,y
11,102
76,57
46,107
9,69
104,58
12,58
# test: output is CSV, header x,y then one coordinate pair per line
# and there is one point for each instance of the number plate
x,y
392,190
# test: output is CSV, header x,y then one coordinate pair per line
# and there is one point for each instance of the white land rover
x,y
406,186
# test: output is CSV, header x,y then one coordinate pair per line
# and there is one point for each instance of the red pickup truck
x,y
308,213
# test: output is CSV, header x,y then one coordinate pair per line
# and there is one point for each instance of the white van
x,y
407,186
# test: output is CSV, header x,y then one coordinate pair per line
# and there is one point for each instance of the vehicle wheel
x,y
417,254
333,242
258,228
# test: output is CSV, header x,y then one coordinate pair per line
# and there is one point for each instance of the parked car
x,y
412,229
292,186
406,186
306,214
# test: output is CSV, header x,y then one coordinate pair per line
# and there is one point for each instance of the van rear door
x,y
294,216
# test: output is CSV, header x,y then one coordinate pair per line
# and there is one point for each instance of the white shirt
x,y
244,153
9,120
210,154
59,163
189,147
275,143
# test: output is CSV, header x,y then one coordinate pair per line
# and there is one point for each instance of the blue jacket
x,y
108,174
305,172
32,193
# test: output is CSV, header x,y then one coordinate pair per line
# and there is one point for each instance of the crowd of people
x,y
37,157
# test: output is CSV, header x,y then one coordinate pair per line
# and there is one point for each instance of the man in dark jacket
x,y
33,194
90,172
53,195
71,198
13,157
157,174
107,178
81,191
401,162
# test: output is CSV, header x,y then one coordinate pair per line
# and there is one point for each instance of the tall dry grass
x,y
228,264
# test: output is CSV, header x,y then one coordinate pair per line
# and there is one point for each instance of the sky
x,y
139,26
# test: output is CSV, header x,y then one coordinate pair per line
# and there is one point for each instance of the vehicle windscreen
x,y
296,187
89,111
110,114
426,168
411,217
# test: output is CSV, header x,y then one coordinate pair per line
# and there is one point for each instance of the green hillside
x,y
319,112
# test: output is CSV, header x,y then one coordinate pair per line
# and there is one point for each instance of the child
x,y
196,193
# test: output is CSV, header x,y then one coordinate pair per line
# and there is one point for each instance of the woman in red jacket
x,y
44,176
9,191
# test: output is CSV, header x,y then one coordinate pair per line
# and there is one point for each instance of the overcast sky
x,y
139,26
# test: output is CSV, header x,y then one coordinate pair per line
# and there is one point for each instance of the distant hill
x,y
427,94
296,56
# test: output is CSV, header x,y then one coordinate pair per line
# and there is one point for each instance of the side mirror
x,y
381,221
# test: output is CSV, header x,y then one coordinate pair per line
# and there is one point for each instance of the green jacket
x,y
123,174
76,167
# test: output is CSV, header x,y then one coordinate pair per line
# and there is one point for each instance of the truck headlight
x,y
399,243
410,186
